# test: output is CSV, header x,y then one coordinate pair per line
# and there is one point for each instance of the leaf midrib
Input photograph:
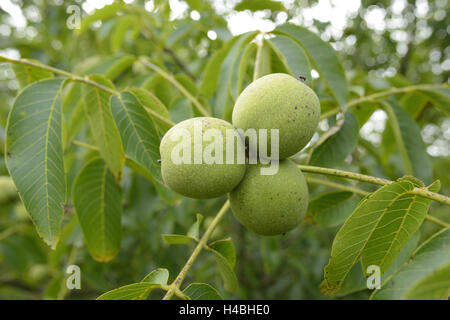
x,y
50,117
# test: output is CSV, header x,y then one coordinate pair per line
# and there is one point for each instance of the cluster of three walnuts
x,y
266,204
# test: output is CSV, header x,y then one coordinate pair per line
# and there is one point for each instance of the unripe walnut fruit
x,y
271,204
205,180
279,101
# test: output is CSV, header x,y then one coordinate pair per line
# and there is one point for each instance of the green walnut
x,y
202,158
279,101
7,189
271,204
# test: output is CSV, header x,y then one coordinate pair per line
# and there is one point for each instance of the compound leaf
x,y
377,230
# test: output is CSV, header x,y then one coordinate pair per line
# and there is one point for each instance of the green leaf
x,y
377,230
157,276
98,204
138,132
440,98
257,5
103,128
323,57
333,151
263,60
35,155
110,67
195,4
409,140
26,74
141,290
103,14
150,101
435,286
176,239
188,83
247,55
191,87
223,103
414,103
194,230
226,248
363,112
225,255
180,32
73,112
332,208
202,291
168,196
162,89
64,243
212,70
120,30
425,276
135,291
192,234
357,281
293,55
181,110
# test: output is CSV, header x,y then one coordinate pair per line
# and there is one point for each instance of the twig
x,y
77,78
364,193
200,246
337,186
364,178
437,221
385,93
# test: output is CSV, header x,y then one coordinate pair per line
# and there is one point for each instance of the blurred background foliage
x,y
380,43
